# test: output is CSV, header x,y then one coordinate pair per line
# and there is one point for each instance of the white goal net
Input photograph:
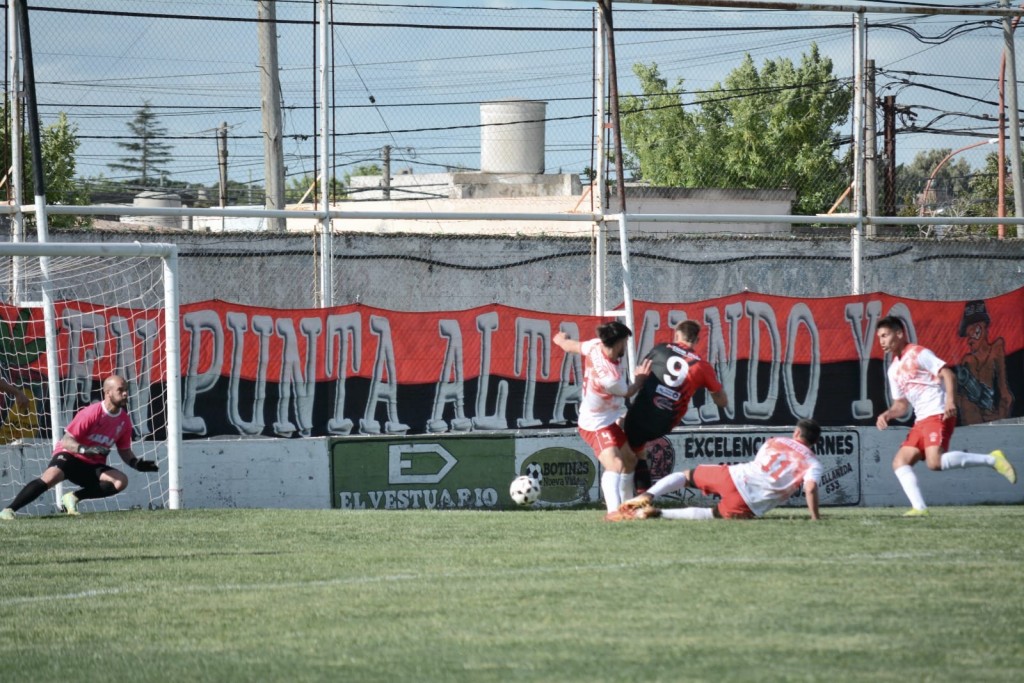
x,y
71,315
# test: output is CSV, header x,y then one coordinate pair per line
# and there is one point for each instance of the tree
x,y
768,128
952,179
984,187
146,151
58,143
306,189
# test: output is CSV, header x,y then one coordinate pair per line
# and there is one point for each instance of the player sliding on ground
x,y
782,465
81,455
920,380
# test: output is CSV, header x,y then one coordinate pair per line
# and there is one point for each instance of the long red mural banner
x,y
361,370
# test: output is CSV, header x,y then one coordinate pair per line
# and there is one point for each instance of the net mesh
x,y
109,319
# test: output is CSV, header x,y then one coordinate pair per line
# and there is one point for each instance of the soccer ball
x,y
524,490
533,471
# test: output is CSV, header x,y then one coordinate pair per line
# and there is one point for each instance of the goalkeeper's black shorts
x,y
78,471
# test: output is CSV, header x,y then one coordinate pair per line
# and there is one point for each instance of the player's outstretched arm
x,y
720,398
898,409
566,344
137,463
948,378
811,493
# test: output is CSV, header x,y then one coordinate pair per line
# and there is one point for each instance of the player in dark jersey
x,y
677,373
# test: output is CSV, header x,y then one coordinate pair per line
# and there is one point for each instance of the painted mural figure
x,y
983,391
920,380
21,399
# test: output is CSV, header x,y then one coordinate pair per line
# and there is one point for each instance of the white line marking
x,y
173,589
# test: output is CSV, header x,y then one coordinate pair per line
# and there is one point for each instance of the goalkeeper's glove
x,y
93,450
146,466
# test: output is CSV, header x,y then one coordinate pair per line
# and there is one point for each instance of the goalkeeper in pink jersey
x,y
81,455
781,467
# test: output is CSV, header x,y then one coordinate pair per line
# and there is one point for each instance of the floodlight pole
x,y
326,238
17,159
1010,71
600,172
935,171
857,232
42,229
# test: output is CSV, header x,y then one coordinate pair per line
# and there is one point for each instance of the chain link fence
x,y
167,98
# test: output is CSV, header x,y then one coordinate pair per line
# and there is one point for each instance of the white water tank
x,y
512,136
160,200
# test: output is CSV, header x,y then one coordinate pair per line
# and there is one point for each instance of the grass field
x,y
275,595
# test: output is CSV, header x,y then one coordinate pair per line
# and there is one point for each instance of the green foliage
x,y
768,128
983,187
365,169
307,189
479,597
58,143
951,179
956,188
145,153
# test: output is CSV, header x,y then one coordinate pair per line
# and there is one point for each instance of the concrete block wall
x,y
295,473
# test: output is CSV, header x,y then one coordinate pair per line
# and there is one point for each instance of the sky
x,y
412,75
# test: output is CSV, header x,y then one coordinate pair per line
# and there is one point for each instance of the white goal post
x,y
71,314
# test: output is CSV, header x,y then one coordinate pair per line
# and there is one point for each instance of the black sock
x,y
642,478
30,492
100,490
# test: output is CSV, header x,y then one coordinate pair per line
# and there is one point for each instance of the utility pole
x,y
270,96
222,162
1011,104
222,169
385,155
870,147
889,155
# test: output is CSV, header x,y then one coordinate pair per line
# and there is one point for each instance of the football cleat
x,y
620,515
70,502
7,514
648,512
916,512
643,500
1004,466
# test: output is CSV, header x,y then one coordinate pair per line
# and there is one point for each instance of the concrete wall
x,y
555,272
266,473
295,473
